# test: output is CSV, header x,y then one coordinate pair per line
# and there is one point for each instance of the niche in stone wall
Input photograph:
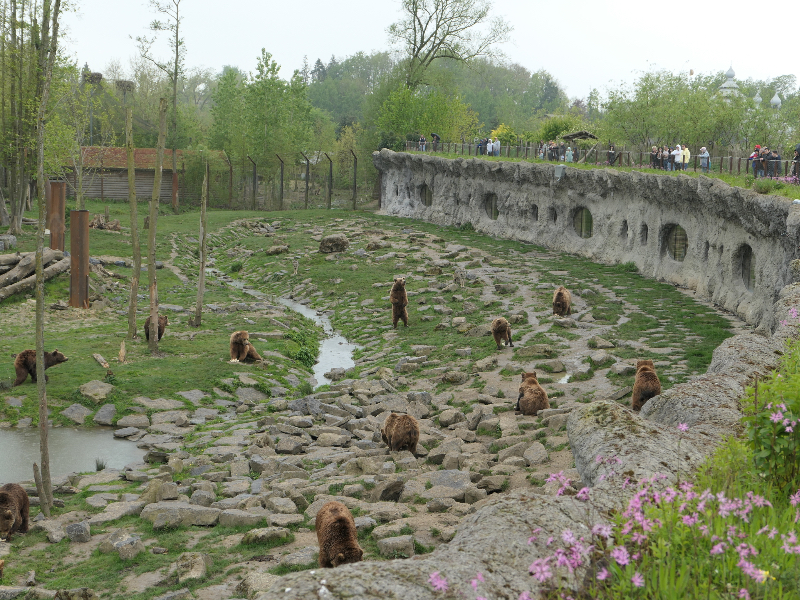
x,y
535,212
490,206
623,232
426,195
676,242
643,234
582,222
745,263
552,215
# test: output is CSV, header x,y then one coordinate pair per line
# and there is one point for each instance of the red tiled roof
x,y
95,157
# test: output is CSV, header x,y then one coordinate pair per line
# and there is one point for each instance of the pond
x,y
72,450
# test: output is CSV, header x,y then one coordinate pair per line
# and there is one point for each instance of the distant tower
x,y
757,100
776,101
729,88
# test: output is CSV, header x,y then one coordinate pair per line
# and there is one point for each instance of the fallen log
x,y
100,360
27,265
30,282
12,259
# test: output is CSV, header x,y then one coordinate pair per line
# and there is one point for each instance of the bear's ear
x,y
54,352
533,373
7,514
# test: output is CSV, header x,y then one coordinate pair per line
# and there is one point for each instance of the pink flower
x,y
568,537
683,427
605,530
637,580
525,596
540,569
438,583
620,554
718,548
793,312
794,499
743,593
638,538
776,417
784,322
583,494
603,574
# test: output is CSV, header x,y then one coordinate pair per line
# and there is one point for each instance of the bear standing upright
x,y
532,397
501,331
399,300
241,348
25,364
646,384
400,432
163,321
337,536
14,510
562,302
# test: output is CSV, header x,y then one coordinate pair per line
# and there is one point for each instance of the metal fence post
x,y
255,180
355,170
330,179
56,202
308,176
280,196
79,259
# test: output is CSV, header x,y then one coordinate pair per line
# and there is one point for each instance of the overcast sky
x,y
583,43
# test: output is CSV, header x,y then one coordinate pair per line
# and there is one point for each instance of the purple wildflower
x,y
743,593
540,569
605,530
438,583
776,417
603,574
620,554
525,596
718,548
637,580
794,499
683,427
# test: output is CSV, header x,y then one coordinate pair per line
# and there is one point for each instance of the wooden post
x,y
308,168
695,163
280,196
230,179
730,165
151,241
721,158
79,258
137,250
330,179
355,184
255,180
201,281
55,216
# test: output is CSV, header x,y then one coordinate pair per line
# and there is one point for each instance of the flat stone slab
x,y
117,510
76,413
158,403
181,512
96,390
106,414
193,396
248,394
127,432
15,401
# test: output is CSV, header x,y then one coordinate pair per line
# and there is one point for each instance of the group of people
x,y
555,152
668,158
423,142
489,147
767,163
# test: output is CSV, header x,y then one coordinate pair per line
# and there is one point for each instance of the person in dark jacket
x,y
796,162
611,155
774,164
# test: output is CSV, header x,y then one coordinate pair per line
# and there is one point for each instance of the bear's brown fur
x,y
646,385
241,348
400,432
25,364
562,302
532,397
501,331
399,300
14,509
163,321
337,536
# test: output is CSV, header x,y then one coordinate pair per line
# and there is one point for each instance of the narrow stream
x,y
72,450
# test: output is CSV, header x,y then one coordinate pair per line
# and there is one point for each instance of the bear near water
x,y
532,397
562,302
14,510
337,536
646,385
399,300
163,321
501,331
241,348
25,364
400,432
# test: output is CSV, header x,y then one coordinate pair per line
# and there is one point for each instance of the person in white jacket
x,y
678,154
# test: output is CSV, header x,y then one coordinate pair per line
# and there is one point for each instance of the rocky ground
x,y
225,503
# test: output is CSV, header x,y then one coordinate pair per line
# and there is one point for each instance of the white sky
x,y
583,43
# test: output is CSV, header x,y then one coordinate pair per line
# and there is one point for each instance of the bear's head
x,y
351,555
7,517
529,377
399,282
240,337
163,320
647,365
55,358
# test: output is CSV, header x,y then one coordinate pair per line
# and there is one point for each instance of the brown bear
x,y
14,509
400,432
337,536
25,364
532,397
562,302
399,300
163,321
241,348
501,331
646,385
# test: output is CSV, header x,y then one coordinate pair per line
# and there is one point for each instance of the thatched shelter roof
x,y
579,135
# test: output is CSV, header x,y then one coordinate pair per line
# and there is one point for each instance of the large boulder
x,y
336,242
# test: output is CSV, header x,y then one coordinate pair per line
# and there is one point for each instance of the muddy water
x,y
71,450
334,350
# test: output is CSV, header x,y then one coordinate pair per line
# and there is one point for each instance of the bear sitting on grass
x,y
400,432
25,364
562,302
646,385
337,536
532,397
399,300
241,348
163,321
501,331
14,510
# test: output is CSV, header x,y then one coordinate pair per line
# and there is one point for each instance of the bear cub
x,y
532,397
501,331
337,536
25,364
14,510
399,300
241,348
562,302
400,432
163,321
646,384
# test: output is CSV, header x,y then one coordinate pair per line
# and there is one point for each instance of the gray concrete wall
x,y
632,214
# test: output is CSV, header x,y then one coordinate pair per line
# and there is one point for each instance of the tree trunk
x,y
201,282
175,110
151,238
137,251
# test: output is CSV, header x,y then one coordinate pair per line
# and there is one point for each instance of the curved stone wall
x,y
731,245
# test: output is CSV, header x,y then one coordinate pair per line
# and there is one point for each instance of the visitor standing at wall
x,y
796,161
654,157
568,154
611,154
677,157
704,159
422,141
496,147
774,164
686,156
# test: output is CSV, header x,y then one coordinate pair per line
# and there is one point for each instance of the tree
x,y
171,9
434,29
151,238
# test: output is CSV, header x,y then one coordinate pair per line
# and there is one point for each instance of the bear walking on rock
x,y
14,510
646,385
25,364
501,331
399,300
400,432
241,348
163,321
337,536
562,302
532,397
